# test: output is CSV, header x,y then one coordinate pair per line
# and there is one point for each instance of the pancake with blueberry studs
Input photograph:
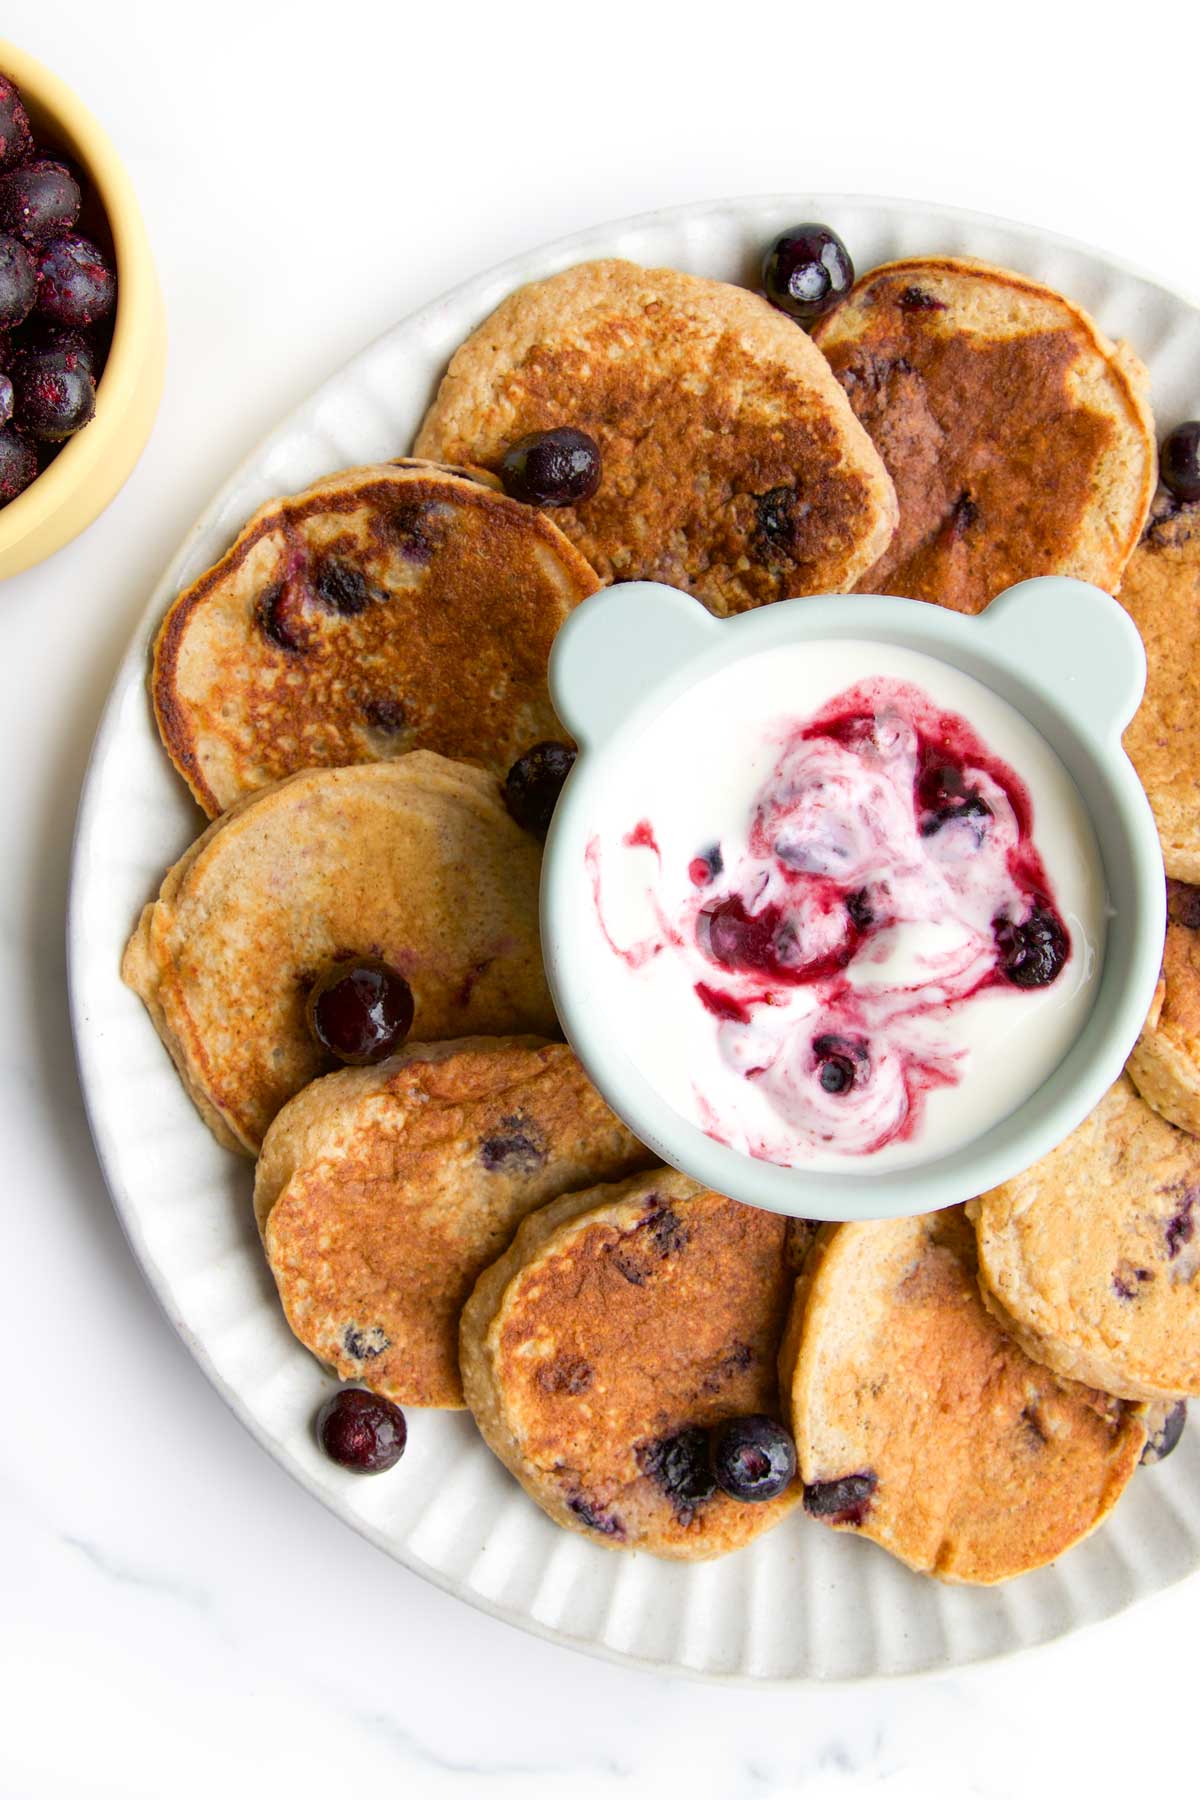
x,y
622,1325
387,609
921,1425
1161,593
382,1193
415,862
1091,1259
1164,1064
1019,439
729,461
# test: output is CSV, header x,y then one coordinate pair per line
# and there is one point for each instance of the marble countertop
x,y
176,1616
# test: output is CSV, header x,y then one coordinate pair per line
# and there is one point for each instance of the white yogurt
x,y
836,991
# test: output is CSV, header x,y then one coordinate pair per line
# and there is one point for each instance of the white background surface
x,y
176,1617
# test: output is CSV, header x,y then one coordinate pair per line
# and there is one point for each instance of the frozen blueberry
x,y
1163,1440
6,399
362,1431
1032,954
54,396
75,286
37,337
40,200
753,1458
18,464
18,282
1179,461
552,468
533,784
806,271
360,1010
16,139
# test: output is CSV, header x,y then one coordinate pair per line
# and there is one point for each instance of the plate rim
x,y
530,264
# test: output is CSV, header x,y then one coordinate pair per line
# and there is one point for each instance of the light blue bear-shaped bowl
x,y
1062,653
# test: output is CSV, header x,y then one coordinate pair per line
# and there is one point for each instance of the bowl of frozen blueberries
x,y
82,327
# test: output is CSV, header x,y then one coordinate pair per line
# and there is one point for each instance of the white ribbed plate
x,y
801,1602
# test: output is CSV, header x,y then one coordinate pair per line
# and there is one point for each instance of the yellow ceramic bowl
x,y
93,465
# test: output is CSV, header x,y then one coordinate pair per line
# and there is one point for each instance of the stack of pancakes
x,y
468,1223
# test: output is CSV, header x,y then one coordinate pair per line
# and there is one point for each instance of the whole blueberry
x,y
1179,461
360,1010
753,1458
16,139
533,784
806,271
54,395
18,464
75,286
362,1431
552,468
39,200
18,282
6,399
74,348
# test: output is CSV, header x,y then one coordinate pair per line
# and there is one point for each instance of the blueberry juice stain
x,y
889,877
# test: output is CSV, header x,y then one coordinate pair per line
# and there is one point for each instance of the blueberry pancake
x,y
619,1326
1165,1063
382,1193
1091,1259
1161,592
1019,439
731,464
921,1425
415,861
390,608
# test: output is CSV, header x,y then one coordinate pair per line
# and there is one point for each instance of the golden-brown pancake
x,y
731,464
1161,593
391,608
1164,1064
1019,439
622,1322
1091,1259
383,1192
921,1425
415,861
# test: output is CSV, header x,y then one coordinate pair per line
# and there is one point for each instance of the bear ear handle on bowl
x,y
1067,640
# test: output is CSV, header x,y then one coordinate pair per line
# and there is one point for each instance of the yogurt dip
x,y
863,921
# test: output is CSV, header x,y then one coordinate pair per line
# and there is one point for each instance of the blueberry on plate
x,y
1179,461
806,271
533,784
753,1458
360,1010
552,468
362,1431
